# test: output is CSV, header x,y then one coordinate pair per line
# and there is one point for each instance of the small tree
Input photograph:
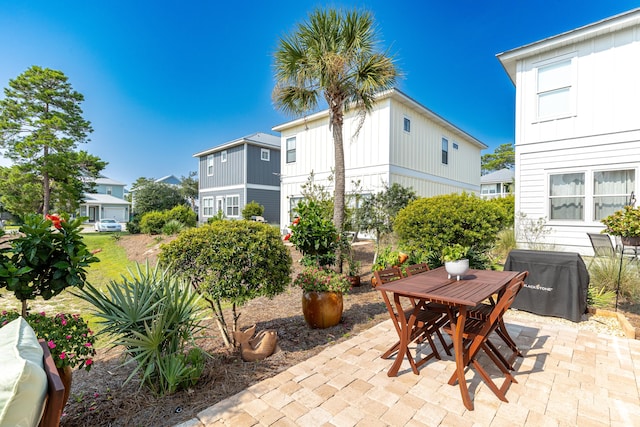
x,y
378,212
251,209
155,196
44,262
189,188
314,234
230,261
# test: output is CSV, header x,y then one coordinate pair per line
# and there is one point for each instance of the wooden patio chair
x,y
483,311
427,322
476,337
54,403
416,268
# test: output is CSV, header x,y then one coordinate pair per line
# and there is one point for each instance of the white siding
x,y
381,153
602,134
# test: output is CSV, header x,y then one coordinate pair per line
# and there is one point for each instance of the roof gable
x,y
259,139
510,58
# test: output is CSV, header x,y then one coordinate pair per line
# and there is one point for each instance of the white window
x,y
265,154
555,89
207,206
611,191
109,190
223,156
291,150
407,124
293,204
445,151
233,206
567,196
455,146
210,165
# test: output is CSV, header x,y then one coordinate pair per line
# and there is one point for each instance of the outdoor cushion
x,y
23,382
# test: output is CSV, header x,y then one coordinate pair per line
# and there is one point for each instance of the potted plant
x,y
353,271
387,258
624,223
322,296
454,260
68,337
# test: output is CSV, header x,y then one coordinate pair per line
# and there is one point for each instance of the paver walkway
x,y
568,377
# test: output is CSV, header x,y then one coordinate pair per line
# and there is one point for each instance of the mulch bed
x,y
99,397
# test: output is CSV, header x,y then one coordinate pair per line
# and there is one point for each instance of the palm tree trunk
x,y
338,195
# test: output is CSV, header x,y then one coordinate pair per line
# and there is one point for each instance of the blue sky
x,y
163,80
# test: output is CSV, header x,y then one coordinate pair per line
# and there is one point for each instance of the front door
x,y
92,213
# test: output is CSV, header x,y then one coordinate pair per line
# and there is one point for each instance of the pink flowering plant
x,y
316,279
68,337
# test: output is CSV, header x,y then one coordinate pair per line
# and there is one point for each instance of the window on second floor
x,y
445,151
223,156
109,190
265,154
210,165
554,86
407,124
291,149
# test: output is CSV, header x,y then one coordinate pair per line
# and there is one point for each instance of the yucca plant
x,y
156,318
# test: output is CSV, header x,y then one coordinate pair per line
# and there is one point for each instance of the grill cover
x,y
556,286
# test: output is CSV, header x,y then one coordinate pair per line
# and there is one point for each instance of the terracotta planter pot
x,y
66,375
322,309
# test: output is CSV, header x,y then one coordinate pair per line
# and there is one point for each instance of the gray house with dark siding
x,y
239,172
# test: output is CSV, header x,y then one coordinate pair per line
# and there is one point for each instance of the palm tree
x,y
334,55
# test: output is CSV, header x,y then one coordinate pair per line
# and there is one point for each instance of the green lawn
x,y
113,263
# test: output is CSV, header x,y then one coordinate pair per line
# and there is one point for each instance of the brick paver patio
x,y
568,377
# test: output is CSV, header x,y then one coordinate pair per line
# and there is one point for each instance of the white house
x,y
106,202
401,141
496,184
577,140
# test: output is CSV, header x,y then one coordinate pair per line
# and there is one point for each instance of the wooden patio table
x,y
435,286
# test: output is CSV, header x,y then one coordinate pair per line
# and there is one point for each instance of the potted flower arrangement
x,y
624,223
322,295
388,257
68,337
454,260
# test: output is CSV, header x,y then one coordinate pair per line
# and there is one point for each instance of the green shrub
x,y
252,209
505,242
172,227
603,273
152,222
219,216
155,317
427,225
508,204
600,298
230,261
183,214
313,234
133,226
